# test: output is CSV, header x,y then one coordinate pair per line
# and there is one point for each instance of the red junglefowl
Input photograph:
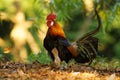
x,y
84,50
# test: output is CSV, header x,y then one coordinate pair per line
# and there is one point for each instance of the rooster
x,y
84,50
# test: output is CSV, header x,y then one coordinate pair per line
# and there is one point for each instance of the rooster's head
x,y
50,19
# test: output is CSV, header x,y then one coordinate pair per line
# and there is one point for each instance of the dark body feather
x,y
55,38
60,43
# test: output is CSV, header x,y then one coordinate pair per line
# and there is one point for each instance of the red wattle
x,y
49,23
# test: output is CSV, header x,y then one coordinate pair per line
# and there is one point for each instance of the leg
x,y
57,59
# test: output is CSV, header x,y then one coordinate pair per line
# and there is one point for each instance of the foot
x,y
56,56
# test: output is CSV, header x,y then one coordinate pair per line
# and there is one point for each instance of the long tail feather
x,y
87,35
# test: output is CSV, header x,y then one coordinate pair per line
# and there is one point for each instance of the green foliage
x,y
35,10
105,63
71,62
112,17
1,54
34,32
65,8
63,64
6,5
117,50
40,57
44,58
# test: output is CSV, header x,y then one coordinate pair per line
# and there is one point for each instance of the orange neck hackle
x,y
56,30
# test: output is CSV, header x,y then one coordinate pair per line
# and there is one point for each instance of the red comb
x,y
51,16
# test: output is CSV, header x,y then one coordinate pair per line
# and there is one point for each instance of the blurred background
x,y
23,26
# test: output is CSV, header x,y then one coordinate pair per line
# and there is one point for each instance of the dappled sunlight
x,y
42,31
20,36
32,44
2,43
89,5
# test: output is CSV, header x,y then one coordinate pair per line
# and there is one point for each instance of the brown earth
x,y
37,71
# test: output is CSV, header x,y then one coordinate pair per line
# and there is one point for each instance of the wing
x,y
63,41
72,50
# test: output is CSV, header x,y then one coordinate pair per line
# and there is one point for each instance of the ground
x,y
37,71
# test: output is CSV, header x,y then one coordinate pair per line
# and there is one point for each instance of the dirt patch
x,y
37,71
